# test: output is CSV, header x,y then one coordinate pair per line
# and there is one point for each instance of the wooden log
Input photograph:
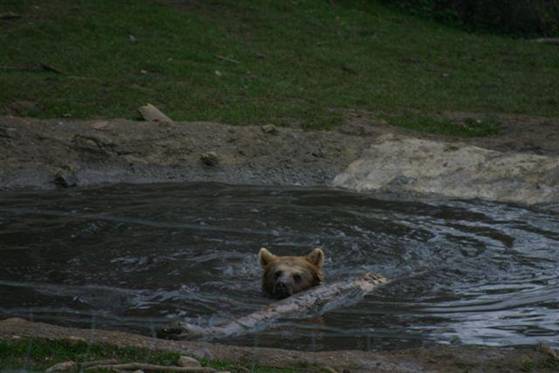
x,y
227,59
88,364
149,368
153,114
311,303
554,41
41,67
9,16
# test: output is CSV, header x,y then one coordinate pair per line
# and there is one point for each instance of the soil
x,y
518,133
436,358
61,153
46,154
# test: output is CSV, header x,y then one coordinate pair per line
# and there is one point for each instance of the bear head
x,y
287,275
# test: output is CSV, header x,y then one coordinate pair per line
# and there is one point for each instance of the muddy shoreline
x,y
47,154
521,165
433,358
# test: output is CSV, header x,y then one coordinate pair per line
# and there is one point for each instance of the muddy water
x,y
134,257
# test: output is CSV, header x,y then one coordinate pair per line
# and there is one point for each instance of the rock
x,y
416,166
269,129
66,366
209,159
187,361
98,144
6,132
76,339
152,114
204,353
16,320
547,350
100,125
65,179
329,370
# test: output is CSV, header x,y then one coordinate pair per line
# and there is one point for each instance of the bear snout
x,y
282,290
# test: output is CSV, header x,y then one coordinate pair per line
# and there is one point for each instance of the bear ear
x,y
316,257
265,257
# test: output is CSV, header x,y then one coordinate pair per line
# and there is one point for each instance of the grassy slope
x,y
297,60
38,355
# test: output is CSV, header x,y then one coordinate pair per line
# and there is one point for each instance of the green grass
x,y
39,354
301,63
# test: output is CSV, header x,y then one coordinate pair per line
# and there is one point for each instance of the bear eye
x,y
297,277
278,274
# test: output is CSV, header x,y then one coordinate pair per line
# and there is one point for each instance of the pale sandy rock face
x,y
400,165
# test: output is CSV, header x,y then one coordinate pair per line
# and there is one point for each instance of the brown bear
x,y
287,275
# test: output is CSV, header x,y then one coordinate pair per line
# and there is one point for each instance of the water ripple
x,y
133,257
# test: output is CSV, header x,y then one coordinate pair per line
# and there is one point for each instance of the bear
x,y
284,276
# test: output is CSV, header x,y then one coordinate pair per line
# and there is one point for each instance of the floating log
x,y
311,303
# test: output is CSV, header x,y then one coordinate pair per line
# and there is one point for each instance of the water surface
x,y
135,257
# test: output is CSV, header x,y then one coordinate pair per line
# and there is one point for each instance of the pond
x,y
134,257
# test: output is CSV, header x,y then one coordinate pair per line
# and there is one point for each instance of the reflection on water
x,y
133,257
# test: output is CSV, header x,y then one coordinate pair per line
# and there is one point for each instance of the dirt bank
x,y
409,166
517,133
429,359
64,153
52,153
